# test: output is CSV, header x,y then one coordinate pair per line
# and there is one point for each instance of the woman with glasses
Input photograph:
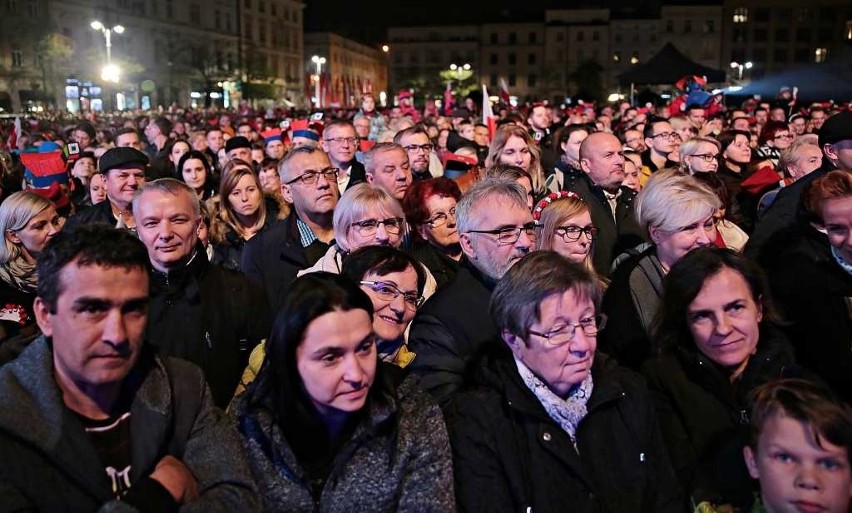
x,y
679,214
565,226
430,208
394,282
329,427
774,138
367,215
28,222
719,342
699,155
552,424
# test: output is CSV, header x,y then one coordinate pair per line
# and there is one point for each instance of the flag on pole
x,y
448,100
14,136
504,91
488,114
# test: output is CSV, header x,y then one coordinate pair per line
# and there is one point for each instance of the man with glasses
x,y
416,143
272,258
661,140
610,203
340,142
387,166
454,327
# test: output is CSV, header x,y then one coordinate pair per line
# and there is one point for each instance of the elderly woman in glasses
x,y
367,215
679,214
552,425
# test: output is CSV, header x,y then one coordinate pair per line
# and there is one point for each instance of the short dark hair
x,y
163,124
125,130
649,126
92,244
88,128
826,417
416,129
381,260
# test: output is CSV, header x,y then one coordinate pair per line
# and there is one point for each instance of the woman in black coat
x,y
719,344
553,426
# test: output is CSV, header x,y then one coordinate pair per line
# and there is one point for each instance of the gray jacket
x,y
397,460
48,463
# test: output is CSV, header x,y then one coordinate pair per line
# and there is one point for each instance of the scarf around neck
x,y
20,274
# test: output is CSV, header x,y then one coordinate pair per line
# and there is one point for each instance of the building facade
x,y
350,69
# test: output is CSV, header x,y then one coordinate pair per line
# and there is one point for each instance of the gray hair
x,y
671,200
168,186
354,204
516,300
484,192
15,212
285,164
382,147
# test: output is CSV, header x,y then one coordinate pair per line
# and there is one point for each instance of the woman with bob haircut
x,y
565,226
679,214
514,146
326,426
699,155
555,425
430,209
394,281
810,272
716,328
28,222
239,213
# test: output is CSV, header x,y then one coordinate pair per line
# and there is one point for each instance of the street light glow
x,y
385,48
118,29
97,25
111,73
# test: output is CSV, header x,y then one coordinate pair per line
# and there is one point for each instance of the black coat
x,y
100,213
615,234
442,267
210,316
509,455
704,417
811,290
450,333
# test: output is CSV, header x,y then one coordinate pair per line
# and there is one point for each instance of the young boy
x,y
800,448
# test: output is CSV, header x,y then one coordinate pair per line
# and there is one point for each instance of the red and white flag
x,y
504,91
14,136
448,100
488,114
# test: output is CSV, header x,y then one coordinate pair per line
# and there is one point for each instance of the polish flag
x,y
504,91
488,114
448,100
14,136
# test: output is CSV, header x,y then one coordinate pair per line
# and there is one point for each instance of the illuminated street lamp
x,y
319,61
740,67
110,73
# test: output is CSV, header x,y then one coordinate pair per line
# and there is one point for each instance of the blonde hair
x,y
690,146
16,212
355,203
671,200
556,214
233,171
501,137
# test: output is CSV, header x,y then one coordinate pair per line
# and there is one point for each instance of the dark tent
x,y
667,67
816,82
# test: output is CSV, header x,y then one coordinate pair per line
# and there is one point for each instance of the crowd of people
x,y
601,308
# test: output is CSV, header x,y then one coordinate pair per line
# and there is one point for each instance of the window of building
x,y
247,4
803,54
738,55
513,38
741,15
227,22
32,8
687,26
709,26
560,36
493,59
827,14
170,10
669,26
618,37
295,16
273,9
825,35
17,57
782,35
512,79
493,80
581,35
513,59
820,54
761,14
804,14
217,19
531,80
780,55
248,33
596,36
533,38
286,14
740,34
531,59
760,35
261,6
494,38
12,7
758,55
261,31
195,13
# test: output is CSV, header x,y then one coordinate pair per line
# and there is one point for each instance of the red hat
x,y
53,193
404,95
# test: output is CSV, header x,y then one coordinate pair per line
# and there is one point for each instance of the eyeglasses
x,y
572,233
425,148
441,218
561,335
706,157
510,235
311,177
341,140
665,135
388,292
369,227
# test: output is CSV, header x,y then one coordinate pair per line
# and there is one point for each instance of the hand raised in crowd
x,y
176,478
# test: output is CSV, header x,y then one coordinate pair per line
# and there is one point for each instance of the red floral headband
x,y
550,198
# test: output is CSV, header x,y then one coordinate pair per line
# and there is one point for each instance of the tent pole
x,y
632,91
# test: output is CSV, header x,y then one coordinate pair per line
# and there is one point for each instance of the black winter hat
x,y
236,142
124,157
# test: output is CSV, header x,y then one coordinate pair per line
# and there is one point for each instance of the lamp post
x,y
460,70
740,66
319,61
110,72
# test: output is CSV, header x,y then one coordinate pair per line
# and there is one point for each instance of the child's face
x,y
797,475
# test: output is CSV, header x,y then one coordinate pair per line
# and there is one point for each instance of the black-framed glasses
x,y
572,233
665,135
341,140
388,292
441,218
561,335
369,227
311,177
510,234
706,157
425,148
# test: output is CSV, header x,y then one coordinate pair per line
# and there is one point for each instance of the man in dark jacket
x,y
272,258
340,143
91,418
199,311
451,331
124,172
610,204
